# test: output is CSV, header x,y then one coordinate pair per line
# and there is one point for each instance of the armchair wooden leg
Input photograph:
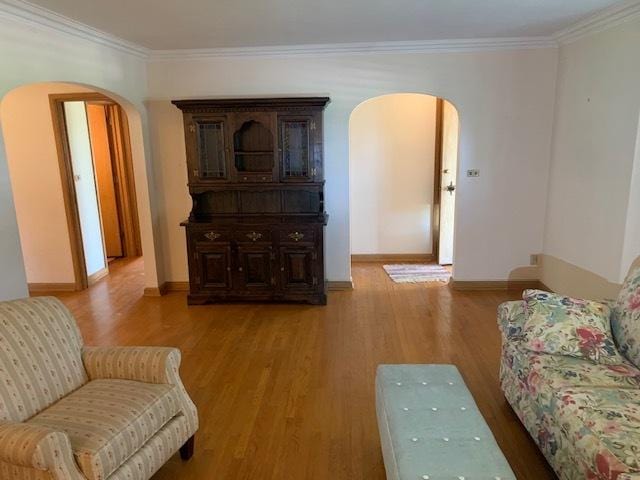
x,y
186,450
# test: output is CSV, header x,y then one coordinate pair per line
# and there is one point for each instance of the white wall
x,y
25,114
505,102
31,54
392,156
85,185
594,142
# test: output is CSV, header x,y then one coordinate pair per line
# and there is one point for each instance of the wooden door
x,y
105,180
255,267
448,182
214,268
297,268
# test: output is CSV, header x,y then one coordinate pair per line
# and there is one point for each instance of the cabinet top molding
x,y
251,104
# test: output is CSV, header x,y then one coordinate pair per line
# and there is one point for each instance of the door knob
x,y
450,188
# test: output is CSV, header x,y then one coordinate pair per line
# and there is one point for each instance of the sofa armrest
x,y
37,447
511,319
142,364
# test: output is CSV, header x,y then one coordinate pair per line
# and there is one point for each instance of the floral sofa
x,y
584,415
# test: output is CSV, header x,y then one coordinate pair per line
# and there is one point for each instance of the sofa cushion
x,y
40,356
601,425
542,375
561,325
625,321
109,420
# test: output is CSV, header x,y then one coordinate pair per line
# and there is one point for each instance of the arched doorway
x,y
403,171
51,140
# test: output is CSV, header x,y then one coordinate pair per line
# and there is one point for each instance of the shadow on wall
x,y
35,175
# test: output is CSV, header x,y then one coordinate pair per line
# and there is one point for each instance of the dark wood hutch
x,y
255,170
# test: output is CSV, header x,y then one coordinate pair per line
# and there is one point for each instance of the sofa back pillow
x,y
625,321
560,325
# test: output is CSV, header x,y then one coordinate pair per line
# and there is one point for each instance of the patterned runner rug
x,y
417,272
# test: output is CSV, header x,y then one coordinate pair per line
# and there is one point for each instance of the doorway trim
x,y
124,167
437,181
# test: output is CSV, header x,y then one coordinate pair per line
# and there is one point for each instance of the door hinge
x,y
314,171
192,128
315,281
313,125
314,256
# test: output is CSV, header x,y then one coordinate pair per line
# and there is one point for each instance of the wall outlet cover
x,y
473,172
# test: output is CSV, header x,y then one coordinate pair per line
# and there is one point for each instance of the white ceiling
x,y
188,24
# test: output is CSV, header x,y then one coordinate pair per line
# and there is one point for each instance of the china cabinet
x,y
255,173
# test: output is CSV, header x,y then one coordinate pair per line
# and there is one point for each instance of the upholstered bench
x,y
431,429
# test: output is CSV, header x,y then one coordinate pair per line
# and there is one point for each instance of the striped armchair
x,y
70,412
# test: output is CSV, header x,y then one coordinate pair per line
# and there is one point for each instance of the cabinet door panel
x,y
209,146
296,148
297,267
214,268
255,267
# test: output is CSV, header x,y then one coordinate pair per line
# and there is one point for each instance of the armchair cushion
x,y
107,421
143,364
40,356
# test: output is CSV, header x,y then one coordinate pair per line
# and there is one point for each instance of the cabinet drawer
x,y
297,235
252,235
211,235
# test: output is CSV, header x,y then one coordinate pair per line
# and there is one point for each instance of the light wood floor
x,y
287,391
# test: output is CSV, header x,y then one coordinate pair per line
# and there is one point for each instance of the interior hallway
x,y
287,391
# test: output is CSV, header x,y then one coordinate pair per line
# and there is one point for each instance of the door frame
x,y
119,138
437,181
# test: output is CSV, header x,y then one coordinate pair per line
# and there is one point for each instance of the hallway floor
x,y
287,391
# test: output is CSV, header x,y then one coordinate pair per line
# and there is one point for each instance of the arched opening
x,y
74,155
403,158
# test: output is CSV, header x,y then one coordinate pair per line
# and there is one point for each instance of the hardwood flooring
x,y
287,391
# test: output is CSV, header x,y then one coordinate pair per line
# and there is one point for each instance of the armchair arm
x,y
24,447
511,319
142,364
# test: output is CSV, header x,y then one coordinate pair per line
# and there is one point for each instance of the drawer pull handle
x,y
296,236
254,236
212,235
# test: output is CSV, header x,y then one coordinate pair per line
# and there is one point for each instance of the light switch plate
x,y
473,172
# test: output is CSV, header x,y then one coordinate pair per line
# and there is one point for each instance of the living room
x,y
246,270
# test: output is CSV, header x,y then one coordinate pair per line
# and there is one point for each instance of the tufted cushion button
x,y
405,409
414,439
425,477
399,384
477,439
446,439
434,409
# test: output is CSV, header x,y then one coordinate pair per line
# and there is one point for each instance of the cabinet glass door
x,y
212,161
295,146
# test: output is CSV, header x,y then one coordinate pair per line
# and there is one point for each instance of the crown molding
x,y
428,46
603,20
36,16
